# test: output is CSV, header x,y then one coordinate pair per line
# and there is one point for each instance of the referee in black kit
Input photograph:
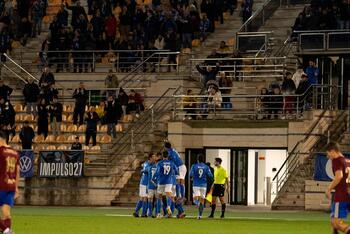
x,y
221,184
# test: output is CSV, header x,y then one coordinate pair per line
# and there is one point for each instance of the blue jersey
x,y
175,157
144,176
152,168
199,172
166,171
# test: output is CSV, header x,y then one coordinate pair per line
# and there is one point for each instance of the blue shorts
x,y
340,210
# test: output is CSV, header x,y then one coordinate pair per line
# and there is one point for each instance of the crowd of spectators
x,y
324,15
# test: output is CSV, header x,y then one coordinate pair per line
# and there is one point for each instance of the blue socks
x,y
144,208
172,207
196,202
179,208
182,190
178,190
138,206
150,208
201,208
158,206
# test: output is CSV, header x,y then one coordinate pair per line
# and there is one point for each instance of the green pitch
x,y
46,220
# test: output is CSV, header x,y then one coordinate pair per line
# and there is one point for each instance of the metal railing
x,y
255,106
252,42
95,60
327,129
243,69
22,69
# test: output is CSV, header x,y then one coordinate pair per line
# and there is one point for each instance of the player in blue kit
x,y
166,170
152,187
142,203
199,173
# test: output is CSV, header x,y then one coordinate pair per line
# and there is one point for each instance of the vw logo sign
x,y
25,163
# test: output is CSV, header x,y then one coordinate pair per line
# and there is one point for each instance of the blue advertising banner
x,y
59,163
26,163
323,167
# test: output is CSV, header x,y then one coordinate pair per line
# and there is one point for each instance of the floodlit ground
x,y
49,220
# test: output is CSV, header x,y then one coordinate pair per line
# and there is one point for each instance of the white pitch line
x,y
233,218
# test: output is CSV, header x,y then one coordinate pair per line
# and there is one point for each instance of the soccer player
x,y
9,178
199,173
175,157
165,172
341,200
221,184
152,187
142,203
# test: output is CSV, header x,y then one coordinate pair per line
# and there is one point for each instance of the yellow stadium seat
x,y
196,42
96,148
86,147
63,127
15,139
61,139
18,127
106,139
29,118
51,147
231,42
62,147
71,138
16,45
18,108
82,139
70,118
72,128
82,128
39,147
39,138
102,128
50,138
119,128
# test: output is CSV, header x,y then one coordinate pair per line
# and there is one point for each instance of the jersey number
x,y
166,169
10,165
200,172
347,171
153,172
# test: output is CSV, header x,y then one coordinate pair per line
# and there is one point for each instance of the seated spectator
x,y
212,58
189,105
55,109
112,115
100,110
111,81
297,76
223,50
312,73
26,135
135,102
159,43
209,73
225,85
288,89
76,145
276,103
214,98
204,27
123,100
91,119
31,93
43,123
5,90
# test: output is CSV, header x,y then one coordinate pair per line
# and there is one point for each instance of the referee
x,y
221,184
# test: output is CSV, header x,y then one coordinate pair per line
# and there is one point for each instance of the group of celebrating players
x,y
163,181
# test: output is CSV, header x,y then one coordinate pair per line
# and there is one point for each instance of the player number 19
x,y
166,169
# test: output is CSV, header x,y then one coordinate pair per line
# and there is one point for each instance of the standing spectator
x,y
24,30
297,76
186,31
219,10
123,100
49,93
7,117
276,104
312,73
112,115
135,102
159,43
5,91
62,16
189,105
43,123
111,80
111,29
100,110
81,96
77,10
226,83
46,79
209,73
204,27
37,16
5,43
26,135
76,145
97,24
91,126
31,93
304,98
288,89
223,50
55,109
246,10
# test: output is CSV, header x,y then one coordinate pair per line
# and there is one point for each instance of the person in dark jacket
x,y
55,109
81,96
77,10
302,90
123,100
288,89
31,93
46,79
76,145
43,123
276,104
27,135
91,126
7,117
112,111
5,91
209,73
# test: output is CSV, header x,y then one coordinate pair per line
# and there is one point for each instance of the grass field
x,y
48,220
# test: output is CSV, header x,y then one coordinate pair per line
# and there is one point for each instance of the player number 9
x,y
200,172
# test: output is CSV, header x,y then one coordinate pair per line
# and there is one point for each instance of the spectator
x,y
246,10
46,79
223,50
111,80
76,145
210,58
43,123
305,96
100,110
113,111
91,126
81,96
31,93
135,102
276,103
7,117
297,76
77,10
49,93
214,98
225,83
26,135
55,109
209,73
24,30
288,89
110,29
264,102
312,73
204,27
5,91
5,43
62,16
159,43
97,24
123,100
189,105
37,12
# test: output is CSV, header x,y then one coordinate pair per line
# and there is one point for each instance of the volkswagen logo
x,y
25,163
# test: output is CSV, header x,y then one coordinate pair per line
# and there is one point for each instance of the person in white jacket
x,y
159,43
297,76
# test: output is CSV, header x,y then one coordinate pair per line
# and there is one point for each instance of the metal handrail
x,y
20,67
14,73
